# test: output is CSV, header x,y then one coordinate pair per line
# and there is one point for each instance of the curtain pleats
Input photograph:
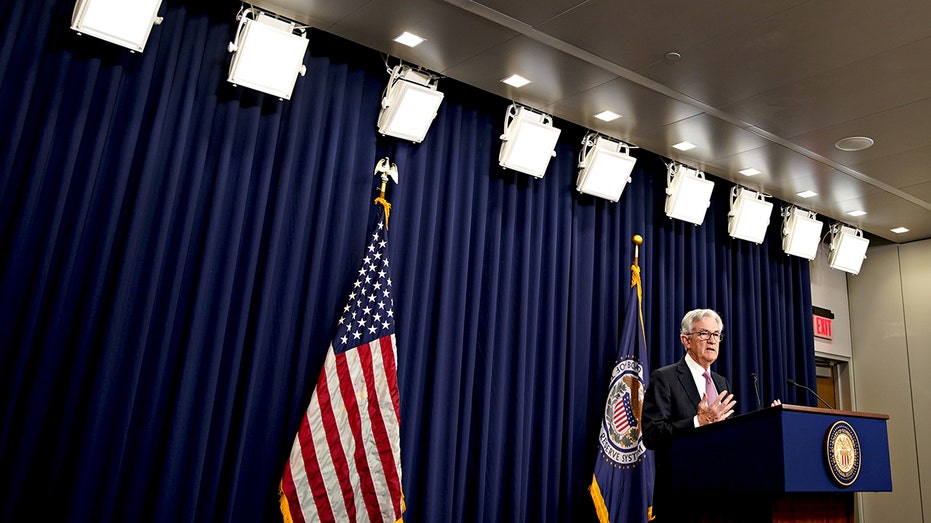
x,y
177,250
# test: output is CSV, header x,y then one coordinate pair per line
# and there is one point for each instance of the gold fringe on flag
x,y
600,508
285,508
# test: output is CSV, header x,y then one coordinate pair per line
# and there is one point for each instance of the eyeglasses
x,y
705,335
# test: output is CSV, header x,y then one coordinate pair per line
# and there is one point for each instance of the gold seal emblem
x,y
620,437
842,450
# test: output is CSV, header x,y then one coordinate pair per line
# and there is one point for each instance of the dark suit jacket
x,y
670,403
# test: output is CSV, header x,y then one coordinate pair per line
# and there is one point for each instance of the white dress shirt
x,y
698,376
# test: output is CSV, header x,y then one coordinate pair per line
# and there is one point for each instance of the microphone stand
x,y
799,385
756,388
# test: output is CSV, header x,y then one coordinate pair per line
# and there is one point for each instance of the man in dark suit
x,y
683,396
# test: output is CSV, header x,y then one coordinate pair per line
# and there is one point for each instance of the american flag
x,y
345,463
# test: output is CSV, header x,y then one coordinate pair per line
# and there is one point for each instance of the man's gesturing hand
x,y
719,410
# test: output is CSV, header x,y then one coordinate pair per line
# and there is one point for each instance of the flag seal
x,y
842,450
621,436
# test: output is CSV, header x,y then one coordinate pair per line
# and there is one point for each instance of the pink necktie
x,y
710,391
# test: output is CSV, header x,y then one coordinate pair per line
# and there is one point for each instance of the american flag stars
x,y
369,314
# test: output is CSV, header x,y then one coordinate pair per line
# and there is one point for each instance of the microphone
x,y
794,383
756,387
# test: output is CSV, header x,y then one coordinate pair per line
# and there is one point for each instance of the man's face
x,y
705,352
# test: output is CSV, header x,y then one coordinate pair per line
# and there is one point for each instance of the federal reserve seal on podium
x,y
842,450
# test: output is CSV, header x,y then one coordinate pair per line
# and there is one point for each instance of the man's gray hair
x,y
698,315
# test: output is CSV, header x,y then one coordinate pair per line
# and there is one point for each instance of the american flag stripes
x,y
345,463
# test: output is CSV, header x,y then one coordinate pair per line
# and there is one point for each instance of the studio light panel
x,y
688,194
606,170
125,23
528,142
848,250
801,234
749,216
410,104
268,56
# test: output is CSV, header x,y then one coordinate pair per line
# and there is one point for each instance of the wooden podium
x,y
772,465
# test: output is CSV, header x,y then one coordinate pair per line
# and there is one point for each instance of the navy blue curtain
x,y
176,250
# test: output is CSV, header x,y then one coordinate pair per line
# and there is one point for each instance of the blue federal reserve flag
x,y
622,485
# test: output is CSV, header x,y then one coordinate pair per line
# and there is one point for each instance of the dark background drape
x,y
175,251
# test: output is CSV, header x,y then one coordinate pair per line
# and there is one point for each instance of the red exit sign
x,y
822,327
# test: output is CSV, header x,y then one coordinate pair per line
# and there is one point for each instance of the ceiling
x,y
768,84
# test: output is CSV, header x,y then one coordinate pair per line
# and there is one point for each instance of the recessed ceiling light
x,y
672,56
750,171
854,143
684,146
806,194
409,39
899,230
607,116
857,212
516,80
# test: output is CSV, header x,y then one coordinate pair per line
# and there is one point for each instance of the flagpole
x,y
637,240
